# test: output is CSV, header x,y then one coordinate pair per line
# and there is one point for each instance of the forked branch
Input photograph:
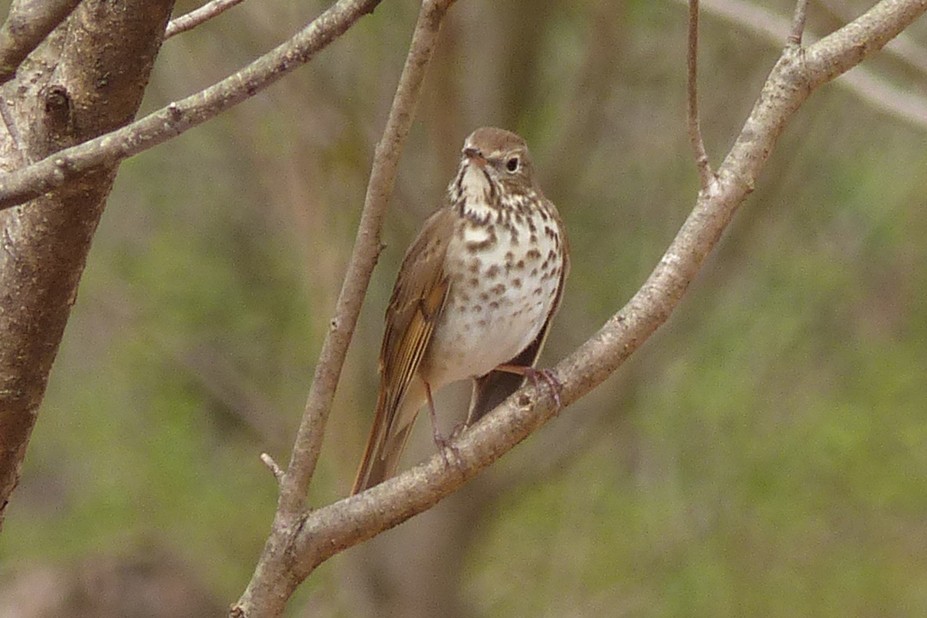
x,y
276,577
158,127
26,26
317,535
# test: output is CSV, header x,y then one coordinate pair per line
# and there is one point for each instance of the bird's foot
x,y
537,375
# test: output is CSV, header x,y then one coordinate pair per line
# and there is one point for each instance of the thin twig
x,y
172,120
195,17
904,104
695,131
798,22
273,580
27,25
272,465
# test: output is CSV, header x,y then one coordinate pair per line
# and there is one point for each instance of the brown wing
x,y
495,387
415,306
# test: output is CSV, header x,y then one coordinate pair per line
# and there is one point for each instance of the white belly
x,y
499,299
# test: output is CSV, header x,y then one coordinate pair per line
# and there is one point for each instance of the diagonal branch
x,y
157,127
26,26
274,580
195,17
364,256
329,530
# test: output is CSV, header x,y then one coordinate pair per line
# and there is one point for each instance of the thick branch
x,y
27,25
170,121
348,522
274,579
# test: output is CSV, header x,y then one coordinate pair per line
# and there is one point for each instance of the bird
x,y
474,297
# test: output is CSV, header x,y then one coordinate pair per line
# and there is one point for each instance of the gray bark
x,y
86,79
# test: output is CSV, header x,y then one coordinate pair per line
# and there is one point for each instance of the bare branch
x,y
904,104
27,25
695,131
197,16
798,22
903,47
274,580
328,530
110,148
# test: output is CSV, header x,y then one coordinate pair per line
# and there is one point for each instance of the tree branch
x,y
172,120
274,579
326,531
798,22
695,131
901,103
26,26
197,16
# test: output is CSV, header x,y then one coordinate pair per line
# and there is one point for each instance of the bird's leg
x,y
443,444
536,375
440,442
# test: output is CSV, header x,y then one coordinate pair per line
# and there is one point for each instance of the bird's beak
x,y
475,156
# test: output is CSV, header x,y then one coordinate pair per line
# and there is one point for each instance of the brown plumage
x,y
477,290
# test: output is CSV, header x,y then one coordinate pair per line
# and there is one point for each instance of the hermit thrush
x,y
474,297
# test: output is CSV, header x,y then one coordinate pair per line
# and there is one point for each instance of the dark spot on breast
x,y
484,296
498,289
516,283
494,305
537,291
520,265
493,271
473,282
474,266
533,254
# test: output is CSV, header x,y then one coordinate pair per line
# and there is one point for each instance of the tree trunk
x,y
88,78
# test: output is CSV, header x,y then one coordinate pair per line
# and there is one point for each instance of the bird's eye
x,y
512,164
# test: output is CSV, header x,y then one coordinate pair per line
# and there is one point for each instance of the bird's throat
x,y
477,191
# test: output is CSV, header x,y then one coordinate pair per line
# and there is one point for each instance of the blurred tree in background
x,y
764,454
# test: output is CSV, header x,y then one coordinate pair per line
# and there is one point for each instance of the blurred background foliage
x,y
764,454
